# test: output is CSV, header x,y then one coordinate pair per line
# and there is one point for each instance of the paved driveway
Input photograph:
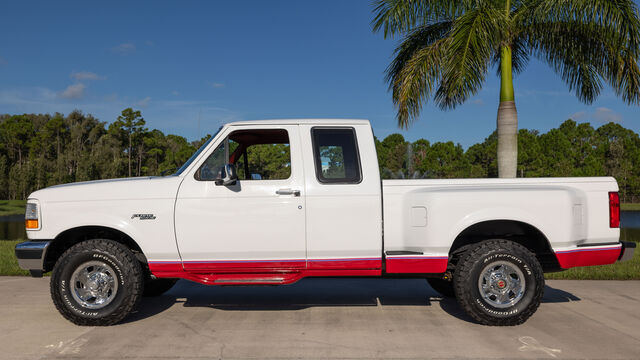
x,y
325,318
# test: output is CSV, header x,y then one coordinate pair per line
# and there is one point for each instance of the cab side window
x,y
336,156
261,154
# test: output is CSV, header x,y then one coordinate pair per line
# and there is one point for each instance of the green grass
x,y
627,270
8,261
12,207
630,207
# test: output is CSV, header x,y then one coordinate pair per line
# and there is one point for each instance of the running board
x,y
247,279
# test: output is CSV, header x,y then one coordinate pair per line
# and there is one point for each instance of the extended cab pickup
x,y
271,202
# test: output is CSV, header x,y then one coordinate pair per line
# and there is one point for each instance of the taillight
x,y
614,210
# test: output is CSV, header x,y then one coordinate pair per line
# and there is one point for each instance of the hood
x,y
112,189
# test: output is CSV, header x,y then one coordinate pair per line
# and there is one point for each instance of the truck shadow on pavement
x,y
313,292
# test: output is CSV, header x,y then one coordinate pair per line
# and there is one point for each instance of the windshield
x,y
195,154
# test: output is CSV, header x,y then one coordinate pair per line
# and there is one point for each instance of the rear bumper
x,y
589,255
628,247
31,255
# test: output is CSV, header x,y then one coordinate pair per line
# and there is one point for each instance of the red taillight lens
x,y
614,210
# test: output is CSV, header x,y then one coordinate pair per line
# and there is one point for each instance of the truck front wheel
x,y
499,283
96,283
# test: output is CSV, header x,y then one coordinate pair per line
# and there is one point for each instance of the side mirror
x,y
227,175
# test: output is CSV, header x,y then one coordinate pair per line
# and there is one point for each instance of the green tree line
x,y
572,149
40,150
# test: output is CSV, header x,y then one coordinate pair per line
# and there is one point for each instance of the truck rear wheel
x,y
499,283
96,283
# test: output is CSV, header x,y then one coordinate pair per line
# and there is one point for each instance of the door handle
x,y
288,192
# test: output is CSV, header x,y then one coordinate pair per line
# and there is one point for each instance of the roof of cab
x,y
301,122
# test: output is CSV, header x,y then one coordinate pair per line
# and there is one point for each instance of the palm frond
x,y
417,39
586,45
475,36
416,69
402,16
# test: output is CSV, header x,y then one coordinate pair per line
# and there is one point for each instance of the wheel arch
x,y
520,232
70,237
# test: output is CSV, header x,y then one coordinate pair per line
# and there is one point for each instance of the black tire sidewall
x,y
63,282
515,259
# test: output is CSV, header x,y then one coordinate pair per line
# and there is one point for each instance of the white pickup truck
x,y
271,202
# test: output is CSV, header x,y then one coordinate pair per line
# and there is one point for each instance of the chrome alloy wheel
x,y
501,284
94,284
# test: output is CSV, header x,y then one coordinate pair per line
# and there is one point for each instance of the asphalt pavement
x,y
325,319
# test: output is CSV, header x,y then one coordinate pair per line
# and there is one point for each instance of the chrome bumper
x,y
628,248
31,255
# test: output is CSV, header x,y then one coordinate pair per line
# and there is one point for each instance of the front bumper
x,y
628,247
31,255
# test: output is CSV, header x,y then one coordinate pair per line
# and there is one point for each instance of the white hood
x,y
111,189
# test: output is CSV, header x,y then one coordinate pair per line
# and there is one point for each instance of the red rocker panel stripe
x,y
417,265
348,264
236,265
588,256
239,265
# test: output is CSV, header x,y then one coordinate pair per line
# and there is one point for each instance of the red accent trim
x,y
232,266
588,256
263,272
348,264
417,264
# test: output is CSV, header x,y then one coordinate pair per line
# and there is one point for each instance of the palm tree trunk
x,y
507,122
507,139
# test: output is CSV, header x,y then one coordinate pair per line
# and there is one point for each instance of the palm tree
x,y
449,46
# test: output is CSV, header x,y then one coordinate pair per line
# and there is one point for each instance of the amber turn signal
x,y
31,224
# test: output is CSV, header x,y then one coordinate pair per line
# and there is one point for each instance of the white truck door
x,y
258,223
344,209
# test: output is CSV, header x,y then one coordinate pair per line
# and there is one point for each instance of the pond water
x,y
12,227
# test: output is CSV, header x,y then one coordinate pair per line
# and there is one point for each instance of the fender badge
x,y
144,216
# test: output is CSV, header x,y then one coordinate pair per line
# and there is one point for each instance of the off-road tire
x,y
442,286
157,287
468,272
128,274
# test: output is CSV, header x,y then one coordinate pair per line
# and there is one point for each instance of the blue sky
x,y
225,61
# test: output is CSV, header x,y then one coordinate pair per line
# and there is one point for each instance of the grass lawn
x,y
12,207
630,207
8,261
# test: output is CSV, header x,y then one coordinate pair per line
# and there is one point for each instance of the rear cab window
x,y
336,156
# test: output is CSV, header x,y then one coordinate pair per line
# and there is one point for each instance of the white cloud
x,y
144,102
175,93
74,91
27,96
478,102
601,114
579,116
86,75
171,116
607,115
215,84
124,48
